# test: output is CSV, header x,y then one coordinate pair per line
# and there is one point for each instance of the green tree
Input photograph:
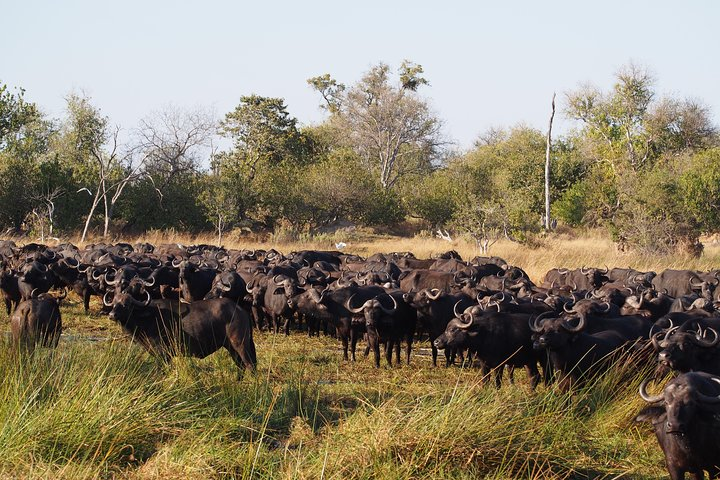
x,y
699,188
24,138
389,125
263,134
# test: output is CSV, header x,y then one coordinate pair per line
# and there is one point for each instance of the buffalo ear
x,y
650,414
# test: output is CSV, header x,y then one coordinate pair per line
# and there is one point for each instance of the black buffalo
x,y
685,420
167,328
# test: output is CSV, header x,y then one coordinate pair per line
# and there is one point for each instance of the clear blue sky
x,y
489,63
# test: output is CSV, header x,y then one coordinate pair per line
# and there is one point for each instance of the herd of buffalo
x,y
194,300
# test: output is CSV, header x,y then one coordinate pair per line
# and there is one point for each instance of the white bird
x,y
340,245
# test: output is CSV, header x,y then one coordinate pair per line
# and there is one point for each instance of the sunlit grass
x,y
100,407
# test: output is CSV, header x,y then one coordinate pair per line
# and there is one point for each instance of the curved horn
x,y
670,331
709,398
348,305
111,282
705,343
655,340
434,296
574,329
570,310
605,272
275,280
584,270
535,323
388,311
607,307
463,324
106,302
457,315
71,262
142,304
695,285
33,293
645,396
63,295
148,283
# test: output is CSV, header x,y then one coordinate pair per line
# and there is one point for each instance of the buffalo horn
x,y
388,311
348,305
142,304
457,315
435,295
709,398
535,323
647,397
705,343
106,302
573,329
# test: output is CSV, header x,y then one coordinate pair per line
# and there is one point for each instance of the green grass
x,y
105,409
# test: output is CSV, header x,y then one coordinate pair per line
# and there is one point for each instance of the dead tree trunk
x,y
547,168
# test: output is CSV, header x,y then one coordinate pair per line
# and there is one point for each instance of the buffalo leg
x,y
498,375
375,345
86,300
287,326
241,348
389,351
353,343
409,341
8,305
434,353
344,339
534,375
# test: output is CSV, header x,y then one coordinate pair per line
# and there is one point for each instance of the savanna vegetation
x,y
639,172
641,167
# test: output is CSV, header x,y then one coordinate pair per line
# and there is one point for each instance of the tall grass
x,y
107,409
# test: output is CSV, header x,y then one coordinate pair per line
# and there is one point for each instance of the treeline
x,y
645,167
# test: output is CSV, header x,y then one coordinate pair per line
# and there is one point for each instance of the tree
x,y
220,204
390,126
547,221
102,162
263,133
24,138
172,142
627,127
634,139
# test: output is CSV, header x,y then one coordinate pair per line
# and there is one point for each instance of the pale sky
x,y
490,64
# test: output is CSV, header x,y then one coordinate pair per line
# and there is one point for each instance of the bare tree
x,y
547,167
44,211
173,142
115,171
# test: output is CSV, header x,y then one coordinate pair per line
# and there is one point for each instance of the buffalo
x,y
685,420
167,328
